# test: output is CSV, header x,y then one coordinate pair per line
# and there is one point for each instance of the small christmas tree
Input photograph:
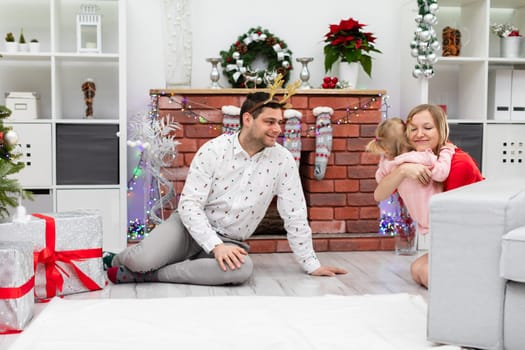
x,y
10,189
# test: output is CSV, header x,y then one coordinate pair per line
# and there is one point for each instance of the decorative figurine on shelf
x,y
251,78
89,31
451,41
89,89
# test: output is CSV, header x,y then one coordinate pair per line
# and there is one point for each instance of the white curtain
x,y
178,43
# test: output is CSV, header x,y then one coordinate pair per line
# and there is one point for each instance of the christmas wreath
x,y
256,43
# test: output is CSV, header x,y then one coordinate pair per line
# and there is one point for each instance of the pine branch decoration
x,y
10,189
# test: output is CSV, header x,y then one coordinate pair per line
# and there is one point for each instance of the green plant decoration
x,y
22,39
10,38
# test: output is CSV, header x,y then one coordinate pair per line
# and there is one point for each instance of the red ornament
x,y
329,82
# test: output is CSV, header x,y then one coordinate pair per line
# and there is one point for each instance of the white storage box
x,y
505,151
35,144
23,105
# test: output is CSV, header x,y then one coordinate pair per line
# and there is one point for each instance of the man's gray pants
x,y
175,256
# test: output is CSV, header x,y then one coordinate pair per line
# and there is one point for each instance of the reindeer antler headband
x,y
290,90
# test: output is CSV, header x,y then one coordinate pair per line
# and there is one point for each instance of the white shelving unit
x,y
463,83
71,162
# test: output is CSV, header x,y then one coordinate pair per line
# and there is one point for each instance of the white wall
x,y
145,59
301,24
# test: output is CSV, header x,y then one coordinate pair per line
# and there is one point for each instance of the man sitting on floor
x,y
231,182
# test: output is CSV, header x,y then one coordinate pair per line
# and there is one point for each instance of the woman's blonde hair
x,y
438,116
390,138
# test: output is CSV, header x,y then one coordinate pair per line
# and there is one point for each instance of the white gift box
x,y
68,256
16,286
23,105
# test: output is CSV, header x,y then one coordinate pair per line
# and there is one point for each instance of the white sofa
x,y
477,266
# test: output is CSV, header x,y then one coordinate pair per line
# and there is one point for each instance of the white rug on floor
x,y
381,322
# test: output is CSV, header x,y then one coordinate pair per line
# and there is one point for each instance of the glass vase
x,y
395,221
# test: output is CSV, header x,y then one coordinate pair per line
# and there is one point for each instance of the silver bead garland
x,y
425,42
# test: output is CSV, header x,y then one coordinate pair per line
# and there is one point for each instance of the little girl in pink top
x,y
391,143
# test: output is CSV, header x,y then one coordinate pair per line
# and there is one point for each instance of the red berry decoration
x,y
329,82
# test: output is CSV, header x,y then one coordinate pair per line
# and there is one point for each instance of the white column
x,y
178,43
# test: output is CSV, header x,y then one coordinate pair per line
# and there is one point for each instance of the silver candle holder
x,y
215,75
305,73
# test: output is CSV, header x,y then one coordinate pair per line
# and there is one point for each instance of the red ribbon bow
x,y
49,257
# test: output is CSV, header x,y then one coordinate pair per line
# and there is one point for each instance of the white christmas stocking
x,y
230,120
292,133
323,139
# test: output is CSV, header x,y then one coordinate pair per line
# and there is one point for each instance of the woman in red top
x,y
427,128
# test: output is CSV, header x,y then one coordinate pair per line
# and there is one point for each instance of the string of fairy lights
x,y
140,225
186,105
154,139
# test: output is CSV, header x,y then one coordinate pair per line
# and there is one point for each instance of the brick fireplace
x,y
341,209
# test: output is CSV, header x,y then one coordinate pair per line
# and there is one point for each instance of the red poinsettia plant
x,y
349,43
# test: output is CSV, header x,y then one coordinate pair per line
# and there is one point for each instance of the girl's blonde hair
x,y
438,116
390,138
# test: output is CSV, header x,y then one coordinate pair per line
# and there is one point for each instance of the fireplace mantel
x,y
341,209
244,92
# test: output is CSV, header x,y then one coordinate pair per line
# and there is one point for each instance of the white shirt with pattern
x,y
228,192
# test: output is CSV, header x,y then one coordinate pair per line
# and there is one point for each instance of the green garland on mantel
x,y
254,44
